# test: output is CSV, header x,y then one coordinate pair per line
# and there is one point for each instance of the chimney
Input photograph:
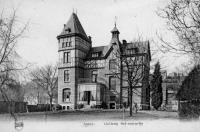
x,y
90,38
124,41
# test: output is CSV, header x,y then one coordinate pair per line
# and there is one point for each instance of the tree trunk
x,y
38,98
50,103
128,97
121,78
131,101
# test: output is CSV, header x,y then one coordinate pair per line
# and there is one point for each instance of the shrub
x,y
189,95
189,110
93,106
80,106
104,105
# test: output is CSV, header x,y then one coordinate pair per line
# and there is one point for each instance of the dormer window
x,y
132,51
68,30
96,54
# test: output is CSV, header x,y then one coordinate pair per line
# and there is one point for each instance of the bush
x,y
125,105
189,110
80,106
104,105
32,108
189,95
57,107
156,100
93,106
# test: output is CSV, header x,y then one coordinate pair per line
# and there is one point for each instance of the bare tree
x,y
46,78
129,68
33,92
183,18
10,33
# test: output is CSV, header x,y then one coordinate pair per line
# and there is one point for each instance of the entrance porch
x,y
91,94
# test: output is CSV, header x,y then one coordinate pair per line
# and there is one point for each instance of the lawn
x,y
93,115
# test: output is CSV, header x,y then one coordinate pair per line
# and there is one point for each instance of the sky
x,y
46,18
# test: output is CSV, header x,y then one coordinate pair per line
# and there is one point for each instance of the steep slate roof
x,y
100,49
73,26
143,47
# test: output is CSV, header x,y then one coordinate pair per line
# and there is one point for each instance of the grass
x,y
92,115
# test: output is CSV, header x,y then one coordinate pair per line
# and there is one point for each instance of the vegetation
x,y
156,84
189,94
46,78
129,68
182,17
10,33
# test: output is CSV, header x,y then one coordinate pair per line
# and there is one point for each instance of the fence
x,y
38,108
21,107
17,107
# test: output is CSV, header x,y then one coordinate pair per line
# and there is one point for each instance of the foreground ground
x,y
92,115
97,120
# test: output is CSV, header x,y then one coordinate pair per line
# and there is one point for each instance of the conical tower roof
x,y
72,27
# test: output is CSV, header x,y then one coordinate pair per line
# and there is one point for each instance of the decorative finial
x,y
115,20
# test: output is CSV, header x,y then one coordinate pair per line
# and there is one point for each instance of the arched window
x,y
66,94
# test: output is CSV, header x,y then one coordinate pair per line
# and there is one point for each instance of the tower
x,y
115,35
73,46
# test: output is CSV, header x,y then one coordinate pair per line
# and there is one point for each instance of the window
x,y
112,64
66,95
68,30
132,51
67,43
63,44
66,76
112,83
96,54
94,76
66,57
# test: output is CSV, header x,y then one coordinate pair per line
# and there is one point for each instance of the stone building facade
x,y
171,84
85,73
